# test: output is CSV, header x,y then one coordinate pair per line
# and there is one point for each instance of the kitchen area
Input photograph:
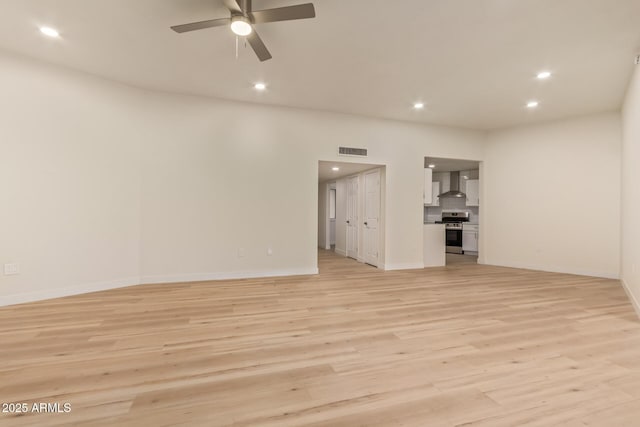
x,y
451,211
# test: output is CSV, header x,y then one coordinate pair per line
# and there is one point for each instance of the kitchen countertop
x,y
464,223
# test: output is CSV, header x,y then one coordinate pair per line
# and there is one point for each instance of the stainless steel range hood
x,y
454,182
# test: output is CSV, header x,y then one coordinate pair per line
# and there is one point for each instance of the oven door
x,y
454,241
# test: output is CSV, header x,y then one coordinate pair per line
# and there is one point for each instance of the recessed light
x,y
532,104
465,177
418,105
259,86
50,32
544,75
432,166
335,169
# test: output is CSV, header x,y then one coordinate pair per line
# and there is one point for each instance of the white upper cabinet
x,y
428,193
431,189
435,191
473,192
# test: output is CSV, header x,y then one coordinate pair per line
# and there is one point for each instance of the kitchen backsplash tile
x,y
434,213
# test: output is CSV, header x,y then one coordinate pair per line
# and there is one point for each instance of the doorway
x,y
453,201
351,199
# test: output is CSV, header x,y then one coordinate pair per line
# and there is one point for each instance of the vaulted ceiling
x,y
472,62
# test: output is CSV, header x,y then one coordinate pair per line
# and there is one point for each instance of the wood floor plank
x,y
459,345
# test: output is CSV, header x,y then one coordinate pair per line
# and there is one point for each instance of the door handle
x,y
348,222
365,223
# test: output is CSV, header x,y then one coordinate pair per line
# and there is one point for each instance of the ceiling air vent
x,y
348,151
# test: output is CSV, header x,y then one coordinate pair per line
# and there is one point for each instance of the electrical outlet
x,y
10,269
269,251
240,252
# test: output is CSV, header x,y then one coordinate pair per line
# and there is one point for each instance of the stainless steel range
x,y
453,228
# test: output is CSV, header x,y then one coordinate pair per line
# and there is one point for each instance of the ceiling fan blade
x,y
201,25
258,46
287,13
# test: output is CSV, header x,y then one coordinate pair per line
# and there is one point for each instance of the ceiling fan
x,y
243,17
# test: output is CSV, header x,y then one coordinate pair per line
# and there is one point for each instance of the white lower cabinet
x,y
434,245
470,238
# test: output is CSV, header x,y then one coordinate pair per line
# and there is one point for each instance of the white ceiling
x,y
325,173
473,62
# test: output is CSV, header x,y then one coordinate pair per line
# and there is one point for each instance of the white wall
x,y
332,221
326,226
107,185
332,231
323,214
341,217
206,166
69,170
112,182
631,191
551,196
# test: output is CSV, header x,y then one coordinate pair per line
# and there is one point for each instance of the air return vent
x,y
349,151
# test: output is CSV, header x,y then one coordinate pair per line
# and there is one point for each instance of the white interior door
x,y
371,220
352,217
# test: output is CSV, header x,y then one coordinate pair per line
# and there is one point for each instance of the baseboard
x,y
548,269
230,275
133,281
404,266
634,301
340,252
65,292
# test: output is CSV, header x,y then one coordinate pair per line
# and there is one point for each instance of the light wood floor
x,y
461,345
452,259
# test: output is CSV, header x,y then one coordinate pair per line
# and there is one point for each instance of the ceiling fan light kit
x,y
240,25
243,18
